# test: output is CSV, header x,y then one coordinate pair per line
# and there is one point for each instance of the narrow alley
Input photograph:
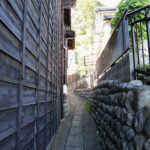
x,y
74,74
77,131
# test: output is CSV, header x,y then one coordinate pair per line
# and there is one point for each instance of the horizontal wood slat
x,y
30,49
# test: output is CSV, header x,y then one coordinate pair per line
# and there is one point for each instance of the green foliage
x,y
144,68
76,57
85,14
88,107
82,23
131,5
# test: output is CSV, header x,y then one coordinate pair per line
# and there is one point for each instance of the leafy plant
x,y
140,30
131,5
82,23
144,68
88,107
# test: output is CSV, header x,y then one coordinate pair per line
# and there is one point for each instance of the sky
x,y
110,3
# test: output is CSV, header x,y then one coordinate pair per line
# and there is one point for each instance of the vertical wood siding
x,y
30,73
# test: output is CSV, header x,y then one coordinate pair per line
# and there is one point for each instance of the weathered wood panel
x,y
8,123
9,43
30,48
9,143
8,96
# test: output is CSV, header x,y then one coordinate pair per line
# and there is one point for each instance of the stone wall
x,y
87,93
122,115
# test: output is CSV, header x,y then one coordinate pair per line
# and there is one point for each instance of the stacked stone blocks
x,y
122,115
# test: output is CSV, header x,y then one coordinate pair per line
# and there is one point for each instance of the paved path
x,y
77,131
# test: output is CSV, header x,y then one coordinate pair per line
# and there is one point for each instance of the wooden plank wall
x,y
30,73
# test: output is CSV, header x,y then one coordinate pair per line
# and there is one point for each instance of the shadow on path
x,y
77,131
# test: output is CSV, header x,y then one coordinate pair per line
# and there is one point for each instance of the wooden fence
x,y
30,73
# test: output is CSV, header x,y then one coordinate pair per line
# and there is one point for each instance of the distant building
x,y
101,30
69,35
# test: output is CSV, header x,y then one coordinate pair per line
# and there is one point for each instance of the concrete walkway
x,y
77,131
